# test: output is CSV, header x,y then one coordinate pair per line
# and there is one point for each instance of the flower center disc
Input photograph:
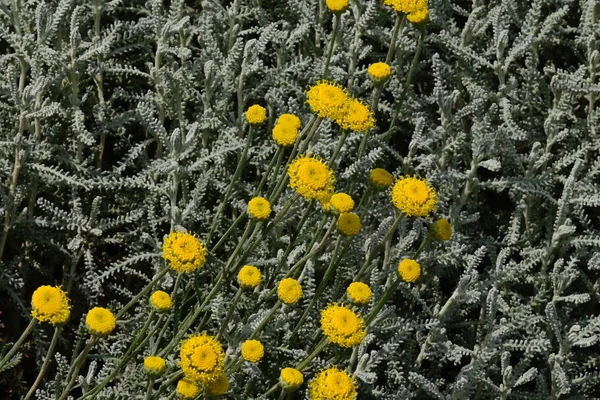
x,y
204,358
345,322
337,383
417,192
314,175
185,249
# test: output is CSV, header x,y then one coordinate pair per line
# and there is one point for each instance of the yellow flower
x,y
359,293
187,389
379,71
289,291
291,379
219,386
249,277
414,197
342,202
184,251
380,178
441,230
100,321
154,365
418,16
50,304
202,358
406,6
333,384
285,134
290,119
409,270
357,117
342,326
348,224
311,178
337,6
256,115
161,301
253,350
327,99
259,208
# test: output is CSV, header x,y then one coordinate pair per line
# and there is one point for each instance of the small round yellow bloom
x,y
348,224
291,379
290,119
154,365
406,6
256,115
50,304
285,134
418,16
202,358
249,277
187,389
357,117
342,326
219,387
414,197
337,6
359,293
259,208
100,321
380,178
441,230
342,202
379,71
289,291
409,270
161,301
327,99
333,384
184,251
253,350
311,178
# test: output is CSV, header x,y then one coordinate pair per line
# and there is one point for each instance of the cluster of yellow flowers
x,y
312,178
330,100
416,10
333,384
285,131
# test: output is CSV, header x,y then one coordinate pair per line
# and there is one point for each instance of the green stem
x,y
421,247
234,181
340,143
19,342
379,247
276,157
168,383
149,389
46,363
232,308
400,21
266,320
320,346
77,366
336,28
274,185
381,302
143,292
228,232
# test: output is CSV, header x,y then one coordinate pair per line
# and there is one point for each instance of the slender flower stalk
x,y
18,343
378,248
230,312
76,366
334,34
46,363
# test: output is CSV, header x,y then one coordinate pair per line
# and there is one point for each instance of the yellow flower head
x,y
256,115
337,6
333,384
187,389
249,277
50,304
380,178
357,117
311,178
184,252
359,293
342,325
161,301
253,350
342,202
154,365
327,99
406,6
259,208
441,230
348,224
285,134
409,270
289,291
202,358
379,71
414,197
291,379
290,119
418,16
100,321
219,386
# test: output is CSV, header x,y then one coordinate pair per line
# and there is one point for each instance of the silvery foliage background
x,y
120,119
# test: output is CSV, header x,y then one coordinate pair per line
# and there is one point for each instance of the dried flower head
x,y
311,178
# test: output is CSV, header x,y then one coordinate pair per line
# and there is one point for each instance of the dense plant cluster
x,y
311,199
